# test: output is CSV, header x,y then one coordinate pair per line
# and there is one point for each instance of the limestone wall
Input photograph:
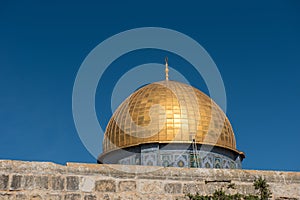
x,y
44,180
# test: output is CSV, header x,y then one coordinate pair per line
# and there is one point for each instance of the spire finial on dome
x,y
167,69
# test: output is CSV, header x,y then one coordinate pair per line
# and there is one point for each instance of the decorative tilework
x,y
175,158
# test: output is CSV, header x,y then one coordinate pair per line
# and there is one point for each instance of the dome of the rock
x,y
169,123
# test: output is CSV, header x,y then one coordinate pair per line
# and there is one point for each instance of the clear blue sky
x,y
256,46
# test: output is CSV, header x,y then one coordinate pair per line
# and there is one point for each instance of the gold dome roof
x,y
168,112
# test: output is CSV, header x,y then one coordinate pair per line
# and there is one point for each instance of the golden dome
x,y
168,112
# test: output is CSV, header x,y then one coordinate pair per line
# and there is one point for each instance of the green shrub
x,y
259,184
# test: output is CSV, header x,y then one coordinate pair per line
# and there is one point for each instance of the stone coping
x,y
147,172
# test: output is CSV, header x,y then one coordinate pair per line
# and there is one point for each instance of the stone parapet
x,y
44,180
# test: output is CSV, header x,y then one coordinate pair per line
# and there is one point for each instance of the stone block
x,y
104,196
72,183
72,197
3,182
6,196
173,188
130,196
105,186
54,197
245,189
87,184
58,183
28,182
155,197
212,187
41,182
16,182
127,186
21,197
193,188
180,197
35,197
150,186
90,197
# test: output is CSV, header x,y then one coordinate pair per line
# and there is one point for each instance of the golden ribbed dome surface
x,y
168,112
